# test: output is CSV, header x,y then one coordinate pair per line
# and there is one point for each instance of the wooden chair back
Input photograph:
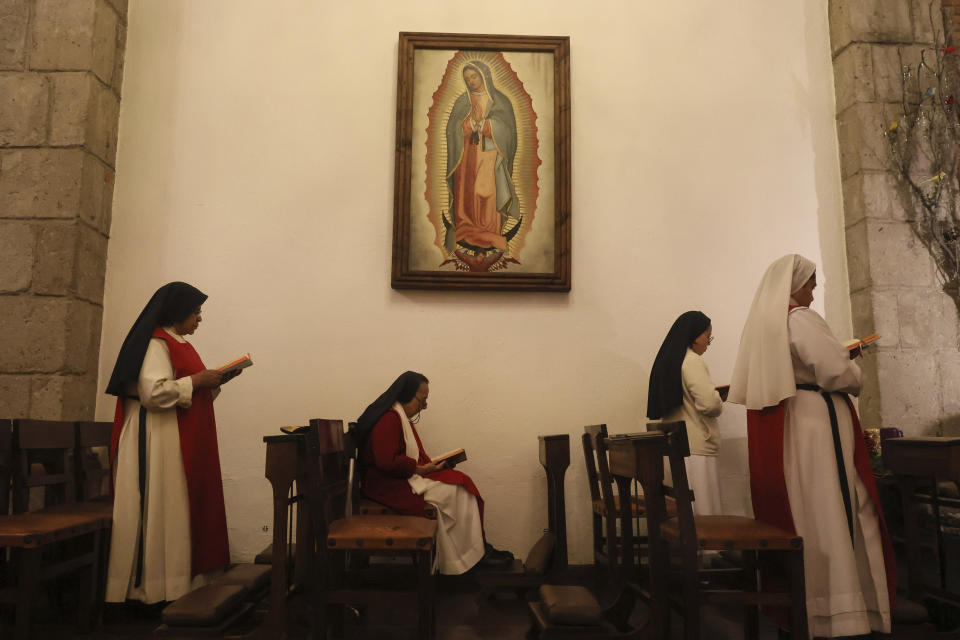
x,y
325,447
92,460
639,457
677,488
595,440
46,445
590,457
6,464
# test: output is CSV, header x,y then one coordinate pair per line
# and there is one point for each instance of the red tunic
x,y
201,462
386,467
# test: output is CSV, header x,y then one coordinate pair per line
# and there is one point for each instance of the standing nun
x,y
681,389
809,468
169,522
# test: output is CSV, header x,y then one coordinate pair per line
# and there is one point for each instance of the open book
x,y
723,389
236,365
451,457
856,345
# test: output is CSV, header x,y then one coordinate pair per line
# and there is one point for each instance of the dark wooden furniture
x,y
631,458
289,470
309,471
686,534
605,501
361,535
920,463
64,537
554,458
92,466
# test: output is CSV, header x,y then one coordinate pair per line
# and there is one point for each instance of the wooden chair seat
x,y
395,532
717,533
38,528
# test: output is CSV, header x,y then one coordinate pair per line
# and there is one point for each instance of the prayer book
x,y
295,429
451,457
856,345
236,365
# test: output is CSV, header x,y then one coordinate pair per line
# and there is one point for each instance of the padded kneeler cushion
x,y
205,606
570,605
252,577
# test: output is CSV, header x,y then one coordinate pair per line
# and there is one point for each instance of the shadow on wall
x,y
948,426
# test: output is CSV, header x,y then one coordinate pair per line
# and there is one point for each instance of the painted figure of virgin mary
x,y
481,145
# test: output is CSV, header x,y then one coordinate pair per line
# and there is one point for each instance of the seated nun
x,y
396,472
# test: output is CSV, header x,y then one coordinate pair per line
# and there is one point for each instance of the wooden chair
x,y
605,501
34,537
362,535
92,472
685,534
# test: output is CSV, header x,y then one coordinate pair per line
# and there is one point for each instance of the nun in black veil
x,y
681,389
397,472
169,521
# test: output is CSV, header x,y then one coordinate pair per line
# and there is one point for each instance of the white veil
x,y
763,372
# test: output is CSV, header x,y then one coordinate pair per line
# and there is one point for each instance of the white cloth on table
x,y
459,530
166,510
845,582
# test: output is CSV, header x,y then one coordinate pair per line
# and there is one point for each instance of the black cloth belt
x,y
838,452
142,481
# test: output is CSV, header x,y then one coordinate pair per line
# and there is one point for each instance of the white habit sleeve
x,y
157,387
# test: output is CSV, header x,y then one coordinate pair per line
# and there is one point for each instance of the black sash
x,y
838,451
142,478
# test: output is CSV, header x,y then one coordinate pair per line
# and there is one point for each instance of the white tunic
x,y
699,409
459,530
846,583
166,512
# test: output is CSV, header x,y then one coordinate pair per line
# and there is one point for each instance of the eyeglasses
x,y
710,340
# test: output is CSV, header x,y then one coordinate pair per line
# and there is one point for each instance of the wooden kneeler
x,y
548,557
212,609
573,612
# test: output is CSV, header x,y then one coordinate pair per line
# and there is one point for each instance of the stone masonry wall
x,y
911,378
61,67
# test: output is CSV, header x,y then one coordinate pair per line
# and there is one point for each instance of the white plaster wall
x,y
256,161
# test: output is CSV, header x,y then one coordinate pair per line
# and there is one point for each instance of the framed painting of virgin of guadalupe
x,y
482,185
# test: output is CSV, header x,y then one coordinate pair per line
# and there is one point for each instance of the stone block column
x,y
61,67
910,379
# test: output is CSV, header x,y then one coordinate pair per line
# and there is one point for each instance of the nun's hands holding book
x,y
207,378
430,467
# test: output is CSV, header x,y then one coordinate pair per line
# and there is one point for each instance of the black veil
x,y
171,303
403,389
666,380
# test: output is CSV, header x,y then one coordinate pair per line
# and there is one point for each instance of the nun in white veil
x,y
809,468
